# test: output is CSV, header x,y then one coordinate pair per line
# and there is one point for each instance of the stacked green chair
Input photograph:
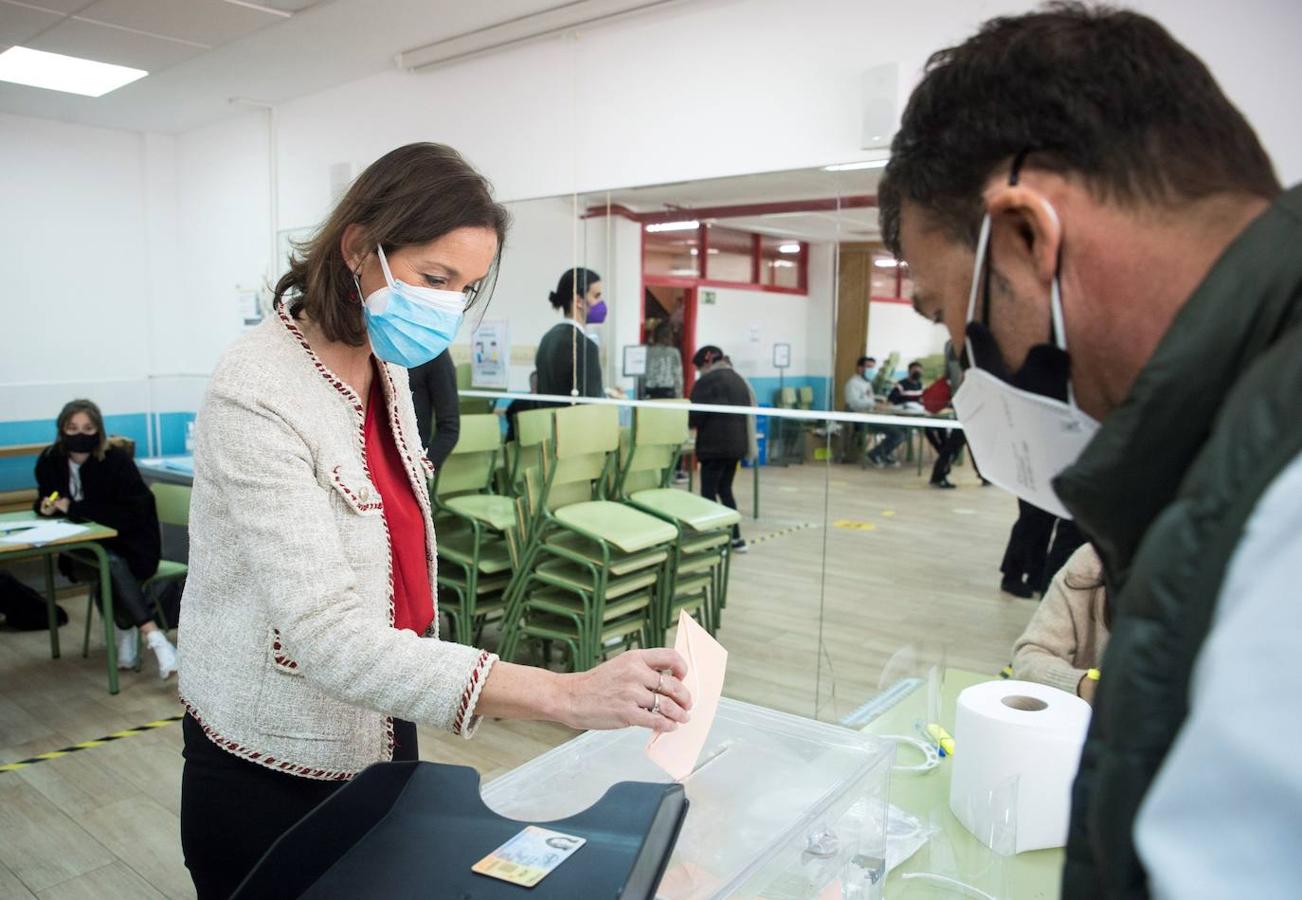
x,y
476,529
593,569
699,563
173,504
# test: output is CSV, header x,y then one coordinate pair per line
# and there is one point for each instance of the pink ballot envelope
x,y
677,751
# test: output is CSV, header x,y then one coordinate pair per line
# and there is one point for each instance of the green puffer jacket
x,y
1164,491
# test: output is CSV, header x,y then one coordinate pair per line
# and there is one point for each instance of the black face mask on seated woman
x,y
80,443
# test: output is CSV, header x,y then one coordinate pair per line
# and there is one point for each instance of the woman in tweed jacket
x,y
295,675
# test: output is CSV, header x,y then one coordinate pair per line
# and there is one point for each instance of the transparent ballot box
x,y
780,806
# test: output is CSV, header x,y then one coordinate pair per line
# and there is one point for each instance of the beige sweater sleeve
x,y
284,528
1065,637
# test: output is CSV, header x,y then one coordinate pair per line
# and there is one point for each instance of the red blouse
x,y
413,601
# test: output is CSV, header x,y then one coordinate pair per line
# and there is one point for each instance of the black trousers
x,y
131,608
233,810
1028,545
946,450
716,485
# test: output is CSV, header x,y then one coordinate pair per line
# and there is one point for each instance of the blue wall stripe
x,y
18,473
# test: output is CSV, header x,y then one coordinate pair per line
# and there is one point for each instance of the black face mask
x,y
80,443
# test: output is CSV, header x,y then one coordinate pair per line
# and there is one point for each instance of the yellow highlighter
x,y
49,501
941,737
1092,674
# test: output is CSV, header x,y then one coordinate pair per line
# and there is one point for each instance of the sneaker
x,y
893,463
165,653
875,461
128,647
739,546
1016,587
943,483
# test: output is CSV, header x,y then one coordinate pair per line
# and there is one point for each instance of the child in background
x,y
1065,639
82,476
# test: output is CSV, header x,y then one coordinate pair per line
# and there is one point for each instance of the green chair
x,y
601,556
475,528
702,553
172,502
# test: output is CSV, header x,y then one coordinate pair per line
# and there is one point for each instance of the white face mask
x,y
1021,440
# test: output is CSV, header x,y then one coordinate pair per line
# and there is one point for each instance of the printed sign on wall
x,y
490,354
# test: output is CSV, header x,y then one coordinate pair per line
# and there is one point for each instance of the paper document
x,y
677,751
42,533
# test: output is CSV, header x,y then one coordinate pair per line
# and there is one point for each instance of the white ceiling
x,y
858,224
201,53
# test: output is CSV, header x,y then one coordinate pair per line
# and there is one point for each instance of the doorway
x,y
672,307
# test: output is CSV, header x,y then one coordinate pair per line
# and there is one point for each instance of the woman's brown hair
x,y
70,409
412,195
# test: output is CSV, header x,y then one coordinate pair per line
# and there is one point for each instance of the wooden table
x,y
88,541
954,852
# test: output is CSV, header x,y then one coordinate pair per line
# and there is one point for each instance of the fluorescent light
x,y
850,167
690,273
673,226
70,74
886,263
788,248
783,264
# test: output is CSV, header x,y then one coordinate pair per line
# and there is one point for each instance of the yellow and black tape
x,y
86,745
783,533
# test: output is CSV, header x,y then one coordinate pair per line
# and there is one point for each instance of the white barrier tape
x,y
801,415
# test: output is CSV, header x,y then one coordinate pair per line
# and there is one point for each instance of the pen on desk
x,y
942,737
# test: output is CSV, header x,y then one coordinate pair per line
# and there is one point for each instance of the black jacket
x,y
721,435
438,407
558,352
113,494
1164,491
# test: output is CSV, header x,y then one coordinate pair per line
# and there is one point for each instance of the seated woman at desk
x,y
81,475
1065,639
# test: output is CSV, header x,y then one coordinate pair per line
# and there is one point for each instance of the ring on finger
x,y
655,704
660,684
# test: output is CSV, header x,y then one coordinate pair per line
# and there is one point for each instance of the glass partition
x,y
859,581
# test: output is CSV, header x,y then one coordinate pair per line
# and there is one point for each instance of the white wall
x,y
74,249
895,327
746,324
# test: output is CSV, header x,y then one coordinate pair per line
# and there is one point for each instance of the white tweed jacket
x,y
289,656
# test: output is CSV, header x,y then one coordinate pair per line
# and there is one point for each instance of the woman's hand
x,y
63,504
638,687
47,507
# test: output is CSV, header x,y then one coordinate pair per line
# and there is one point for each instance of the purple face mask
x,y
597,313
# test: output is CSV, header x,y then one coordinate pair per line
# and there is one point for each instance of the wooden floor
x,y
883,573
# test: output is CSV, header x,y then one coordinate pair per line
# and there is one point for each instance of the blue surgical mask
x,y
869,374
410,325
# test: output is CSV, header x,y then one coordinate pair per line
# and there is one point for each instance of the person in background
x,y
568,362
515,407
1065,639
723,440
947,441
1095,222
892,435
83,476
438,406
664,366
857,394
1027,551
907,392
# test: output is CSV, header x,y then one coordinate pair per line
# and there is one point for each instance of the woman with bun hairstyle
x,y
567,362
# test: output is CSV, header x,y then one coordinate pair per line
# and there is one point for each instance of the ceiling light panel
x,y
70,74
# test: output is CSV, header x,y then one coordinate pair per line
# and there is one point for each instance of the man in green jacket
x,y
1106,240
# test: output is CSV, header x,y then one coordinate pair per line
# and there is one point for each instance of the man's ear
x,y
1025,235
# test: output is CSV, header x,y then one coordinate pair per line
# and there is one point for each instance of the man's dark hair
x,y
864,360
1100,92
916,364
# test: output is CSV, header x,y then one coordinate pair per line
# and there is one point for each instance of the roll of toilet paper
x,y
1018,746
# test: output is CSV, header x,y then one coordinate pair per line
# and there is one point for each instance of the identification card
x,y
529,857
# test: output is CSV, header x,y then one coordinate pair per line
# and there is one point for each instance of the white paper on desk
x,y
677,751
43,533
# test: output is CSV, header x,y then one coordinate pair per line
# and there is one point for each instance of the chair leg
x,y
90,613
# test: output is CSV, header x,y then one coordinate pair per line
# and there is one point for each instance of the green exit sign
x,y
709,298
